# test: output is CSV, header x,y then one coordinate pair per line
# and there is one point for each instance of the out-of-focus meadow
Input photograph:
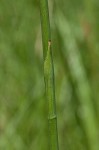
x,y
75,44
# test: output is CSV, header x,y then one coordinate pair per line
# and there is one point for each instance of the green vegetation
x,y
23,104
49,75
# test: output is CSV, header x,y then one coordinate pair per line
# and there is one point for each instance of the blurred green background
x,y
23,107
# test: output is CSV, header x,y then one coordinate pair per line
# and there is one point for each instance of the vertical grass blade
x,y
78,75
49,75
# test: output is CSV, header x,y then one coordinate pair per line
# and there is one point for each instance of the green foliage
x,y
49,76
23,107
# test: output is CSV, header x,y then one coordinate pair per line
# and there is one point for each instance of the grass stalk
x,y
49,75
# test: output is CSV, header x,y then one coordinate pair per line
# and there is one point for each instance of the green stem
x,y
49,75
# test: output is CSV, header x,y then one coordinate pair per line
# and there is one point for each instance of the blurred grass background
x,y
75,35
